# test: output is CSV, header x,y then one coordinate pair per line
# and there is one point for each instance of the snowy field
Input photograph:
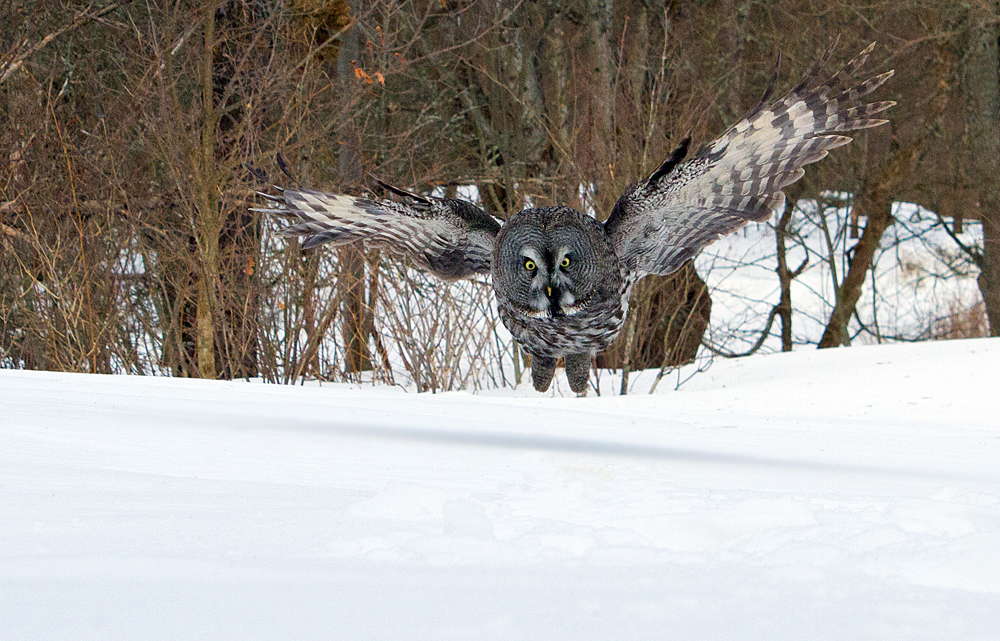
x,y
847,494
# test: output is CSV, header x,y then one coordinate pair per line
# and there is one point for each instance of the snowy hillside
x,y
847,494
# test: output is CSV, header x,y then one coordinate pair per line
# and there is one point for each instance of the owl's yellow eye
x,y
564,262
530,265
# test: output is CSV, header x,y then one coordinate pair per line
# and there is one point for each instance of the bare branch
x,y
81,19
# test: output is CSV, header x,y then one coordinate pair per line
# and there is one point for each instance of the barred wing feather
x,y
452,239
682,207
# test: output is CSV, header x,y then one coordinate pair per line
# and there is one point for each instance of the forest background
x,y
130,130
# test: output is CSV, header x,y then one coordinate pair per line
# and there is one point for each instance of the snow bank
x,y
842,494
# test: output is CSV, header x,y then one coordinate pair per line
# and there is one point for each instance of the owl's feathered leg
x,y
578,371
542,371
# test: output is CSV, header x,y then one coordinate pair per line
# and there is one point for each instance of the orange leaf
x,y
360,74
380,78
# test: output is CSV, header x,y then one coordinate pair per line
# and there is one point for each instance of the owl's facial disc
x,y
550,287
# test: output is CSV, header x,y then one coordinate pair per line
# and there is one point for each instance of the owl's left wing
x,y
682,207
451,238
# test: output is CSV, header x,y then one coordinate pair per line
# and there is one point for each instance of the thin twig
x,y
81,19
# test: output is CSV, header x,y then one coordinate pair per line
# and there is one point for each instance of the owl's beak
x,y
554,302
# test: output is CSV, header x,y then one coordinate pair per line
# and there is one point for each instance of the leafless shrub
x,y
444,335
962,321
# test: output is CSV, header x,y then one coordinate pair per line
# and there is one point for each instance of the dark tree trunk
x,y
981,86
785,277
874,202
876,207
239,300
670,316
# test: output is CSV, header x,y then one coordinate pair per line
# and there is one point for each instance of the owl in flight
x,y
562,279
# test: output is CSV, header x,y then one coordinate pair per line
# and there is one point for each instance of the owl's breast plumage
x,y
590,330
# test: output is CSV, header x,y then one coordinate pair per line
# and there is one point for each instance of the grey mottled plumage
x,y
452,239
562,279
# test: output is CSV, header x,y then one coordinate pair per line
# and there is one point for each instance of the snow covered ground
x,y
846,494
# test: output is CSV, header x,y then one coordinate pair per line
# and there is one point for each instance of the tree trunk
x,y
981,86
785,276
351,281
239,304
669,315
209,223
876,207
874,202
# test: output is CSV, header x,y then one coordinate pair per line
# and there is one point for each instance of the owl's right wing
x,y
682,207
451,238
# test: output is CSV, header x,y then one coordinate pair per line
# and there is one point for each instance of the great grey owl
x,y
562,279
